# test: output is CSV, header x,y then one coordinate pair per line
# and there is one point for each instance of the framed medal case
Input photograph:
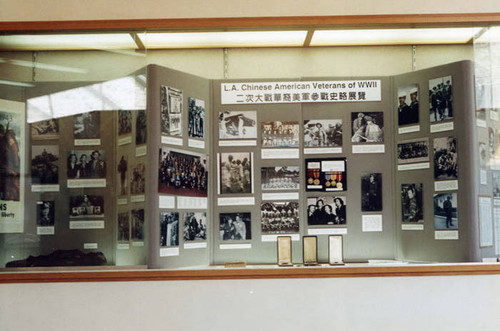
x,y
326,175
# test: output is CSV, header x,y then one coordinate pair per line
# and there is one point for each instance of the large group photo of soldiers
x,y
235,173
414,151
44,165
279,217
280,178
412,203
196,121
322,133
445,158
235,226
326,211
280,134
367,127
440,99
171,111
408,105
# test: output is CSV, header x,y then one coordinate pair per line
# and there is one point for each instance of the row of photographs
x,y
195,227
131,225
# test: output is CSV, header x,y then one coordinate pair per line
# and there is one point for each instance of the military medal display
x,y
326,174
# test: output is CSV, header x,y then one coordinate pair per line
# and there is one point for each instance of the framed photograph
x,y
280,134
412,203
413,151
44,164
123,226
335,249
171,111
83,164
87,125
441,99
445,158
137,224
310,250
235,173
367,127
481,114
86,206
169,229
327,210
195,226
238,124
124,122
45,130
483,155
138,179
181,173
141,127
408,106
322,133
235,226
280,178
122,169
496,185
445,211
371,192
45,212
284,244
491,141
326,175
196,118
279,217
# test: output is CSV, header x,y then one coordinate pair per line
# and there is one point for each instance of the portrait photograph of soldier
x,y
87,125
138,179
279,217
182,174
445,158
45,130
412,203
238,124
195,226
496,184
322,133
327,211
137,224
440,99
367,127
84,164
280,134
408,109
169,229
196,114
123,226
124,122
171,111
44,164
371,192
280,178
83,206
413,151
45,211
235,226
235,173
445,211
141,128
122,169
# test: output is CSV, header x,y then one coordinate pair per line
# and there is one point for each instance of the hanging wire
x,y
414,58
34,59
226,64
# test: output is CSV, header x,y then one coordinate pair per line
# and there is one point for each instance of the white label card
x,y
446,185
225,143
196,143
121,201
496,218
137,198
274,237
123,246
326,150
169,251
414,166
243,201
442,127
483,177
192,203
78,183
409,129
365,149
280,153
44,188
171,140
166,201
280,196
485,222
141,150
412,227
85,225
481,123
124,141
45,230
195,245
318,231
87,142
90,246
493,115
446,235
332,166
235,246
371,223
138,243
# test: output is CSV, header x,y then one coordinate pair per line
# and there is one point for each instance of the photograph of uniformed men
x,y
235,226
371,192
123,226
280,178
326,211
279,217
238,124
83,164
440,99
445,211
141,128
411,203
322,133
445,158
137,224
235,173
169,229
171,111
44,165
367,127
408,108
413,151
280,134
87,125
195,226
45,211
47,129
122,174
82,206
196,118
496,184
138,179
124,122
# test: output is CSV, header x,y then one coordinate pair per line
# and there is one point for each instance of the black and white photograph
x,y
323,133
367,127
196,118
496,184
324,175
280,134
279,217
235,173
122,169
137,224
171,111
327,210
412,203
141,128
235,226
371,192
280,178
238,124
440,99
123,226
45,213
483,154
124,122
445,158
445,211
138,179
83,164
86,206
413,151
44,165
45,130
182,173
169,229
491,141
87,125
408,105
195,226
481,114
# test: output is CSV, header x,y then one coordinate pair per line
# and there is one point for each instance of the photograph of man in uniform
x,y
367,127
411,203
45,213
445,211
408,105
196,118
371,192
137,224
123,226
440,99
141,126
122,172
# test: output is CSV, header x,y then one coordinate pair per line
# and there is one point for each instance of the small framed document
x,y
310,250
335,250
285,251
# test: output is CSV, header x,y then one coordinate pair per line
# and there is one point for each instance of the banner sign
x,y
298,92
